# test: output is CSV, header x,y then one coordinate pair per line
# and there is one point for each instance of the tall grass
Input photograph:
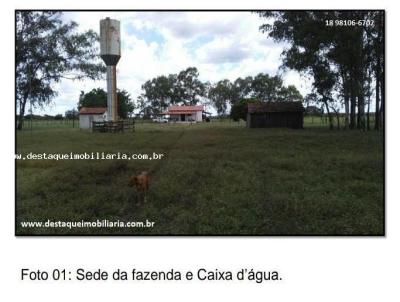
x,y
216,178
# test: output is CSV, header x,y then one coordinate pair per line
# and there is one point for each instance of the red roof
x,y
179,109
177,112
92,110
183,109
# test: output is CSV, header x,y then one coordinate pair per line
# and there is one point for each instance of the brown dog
x,y
141,183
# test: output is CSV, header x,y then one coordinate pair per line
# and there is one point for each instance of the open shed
x,y
275,114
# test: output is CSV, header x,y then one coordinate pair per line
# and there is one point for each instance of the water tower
x,y
110,52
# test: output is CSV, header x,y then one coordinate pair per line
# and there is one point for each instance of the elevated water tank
x,y
110,41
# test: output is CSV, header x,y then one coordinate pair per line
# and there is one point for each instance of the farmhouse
x,y
87,115
185,113
275,114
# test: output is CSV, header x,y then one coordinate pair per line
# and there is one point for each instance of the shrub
x,y
239,109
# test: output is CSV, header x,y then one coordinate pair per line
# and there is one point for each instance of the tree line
x,y
185,88
342,52
344,62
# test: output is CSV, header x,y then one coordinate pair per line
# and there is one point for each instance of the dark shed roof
x,y
275,107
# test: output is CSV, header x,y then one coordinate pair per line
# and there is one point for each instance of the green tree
x,y
242,88
324,52
324,81
188,87
98,98
221,94
125,104
375,35
48,50
71,114
266,88
239,109
142,105
160,92
289,94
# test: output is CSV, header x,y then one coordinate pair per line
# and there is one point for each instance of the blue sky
x,y
220,44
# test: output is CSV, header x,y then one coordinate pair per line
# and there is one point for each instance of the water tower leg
x,y
112,109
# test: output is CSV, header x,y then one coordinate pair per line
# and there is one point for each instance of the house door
x,y
183,117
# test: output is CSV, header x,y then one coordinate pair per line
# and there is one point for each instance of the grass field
x,y
216,178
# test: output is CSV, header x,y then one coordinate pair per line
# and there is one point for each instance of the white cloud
x,y
220,44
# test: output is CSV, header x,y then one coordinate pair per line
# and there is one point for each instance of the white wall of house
x,y
85,120
199,116
195,116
